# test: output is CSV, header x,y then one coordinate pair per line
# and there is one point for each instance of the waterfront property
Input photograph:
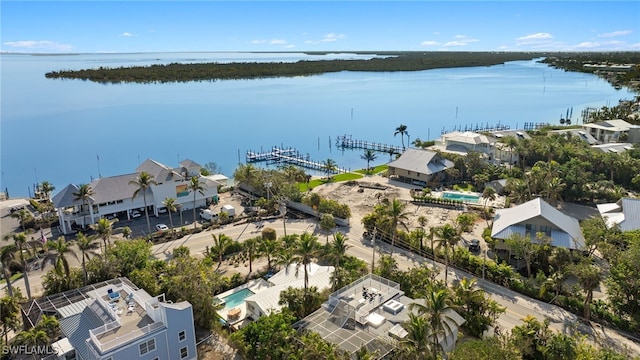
x,y
370,313
533,217
624,214
461,143
419,167
616,130
112,196
115,319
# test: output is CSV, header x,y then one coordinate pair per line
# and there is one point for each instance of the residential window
x,y
147,346
182,335
184,352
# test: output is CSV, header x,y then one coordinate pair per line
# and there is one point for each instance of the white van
x,y
208,215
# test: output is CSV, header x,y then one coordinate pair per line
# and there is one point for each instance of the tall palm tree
x,y
8,257
170,204
553,189
20,240
47,188
369,155
104,229
87,246
220,244
84,194
307,249
336,252
488,194
61,249
449,237
589,277
416,344
397,216
512,143
143,181
402,130
439,313
246,175
268,247
9,314
251,248
196,186
329,167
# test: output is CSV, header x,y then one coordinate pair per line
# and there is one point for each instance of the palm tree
x,y
416,343
246,175
512,143
196,186
589,277
307,249
20,240
397,216
402,130
449,237
143,181
336,253
251,247
104,229
220,244
23,215
553,189
369,155
170,204
438,312
329,167
8,257
59,256
268,247
87,247
9,314
47,188
84,194
488,194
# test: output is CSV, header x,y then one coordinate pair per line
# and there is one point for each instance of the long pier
x,y
281,155
346,142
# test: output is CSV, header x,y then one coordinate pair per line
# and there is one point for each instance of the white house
x,y
625,214
115,319
113,196
617,130
419,167
462,143
533,217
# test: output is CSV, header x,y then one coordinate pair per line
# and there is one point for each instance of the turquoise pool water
x,y
461,197
236,298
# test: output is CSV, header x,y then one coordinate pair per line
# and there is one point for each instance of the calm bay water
x,y
56,130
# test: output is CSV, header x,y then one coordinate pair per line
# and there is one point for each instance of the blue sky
x,y
154,26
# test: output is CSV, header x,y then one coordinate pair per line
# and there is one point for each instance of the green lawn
x,y
375,170
336,178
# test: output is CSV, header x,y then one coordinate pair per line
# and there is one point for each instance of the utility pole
x,y
373,247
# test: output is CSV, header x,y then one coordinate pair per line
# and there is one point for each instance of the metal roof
x,y
512,220
421,161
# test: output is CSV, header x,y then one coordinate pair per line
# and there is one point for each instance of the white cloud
x,y
587,45
332,37
635,46
536,36
258,41
615,33
454,43
127,34
289,46
429,43
38,45
459,37
277,42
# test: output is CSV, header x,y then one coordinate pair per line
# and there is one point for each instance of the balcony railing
x,y
125,338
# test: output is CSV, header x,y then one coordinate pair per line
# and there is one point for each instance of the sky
x,y
178,26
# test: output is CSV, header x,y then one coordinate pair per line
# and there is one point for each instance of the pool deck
x,y
255,286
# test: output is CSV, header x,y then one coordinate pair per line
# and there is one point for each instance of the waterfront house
x,y
112,195
625,214
616,130
461,143
419,167
533,217
115,319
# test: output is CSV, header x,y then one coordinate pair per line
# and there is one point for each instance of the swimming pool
x,y
236,298
460,196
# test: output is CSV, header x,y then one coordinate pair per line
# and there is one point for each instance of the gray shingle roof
x,y
509,221
114,188
65,197
160,172
422,161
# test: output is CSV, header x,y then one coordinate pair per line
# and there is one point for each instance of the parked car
x,y
474,245
135,214
161,227
162,210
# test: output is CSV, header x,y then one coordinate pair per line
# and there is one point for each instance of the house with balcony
x,y
533,217
113,195
613,131
419,167
461,143
115,319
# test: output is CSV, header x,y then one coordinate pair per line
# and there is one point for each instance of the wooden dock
x,y
346,142
281,155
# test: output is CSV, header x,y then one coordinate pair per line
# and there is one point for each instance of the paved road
x,y
517,305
